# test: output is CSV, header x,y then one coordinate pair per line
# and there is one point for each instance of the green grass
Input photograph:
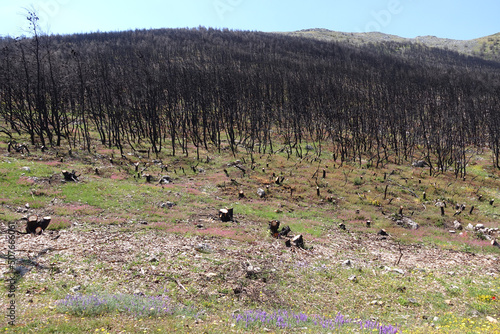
x,y
315,281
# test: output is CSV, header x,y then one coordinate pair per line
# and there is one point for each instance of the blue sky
x,y
457,19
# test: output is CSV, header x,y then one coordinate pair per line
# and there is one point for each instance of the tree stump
x,y
274,226
226,215
148,178
298,241
495,243
35,226
383,232
70,176
241,194
284,231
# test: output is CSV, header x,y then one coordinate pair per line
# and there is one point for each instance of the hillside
x,y
383,160
485,47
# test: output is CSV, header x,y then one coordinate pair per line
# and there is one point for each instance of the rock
x,y
419,164
457,225
167,205
398,271
412,301
448,302
261,192
407,223
26,169
479,227
210,275
470,227
353,278
75,288
138,292
165,180
203,248
347,263
492,320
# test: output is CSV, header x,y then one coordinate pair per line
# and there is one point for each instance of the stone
x,y
347,263
479,227
470,227
167,205
398,271
138,292
203,248
261,192
407,223
76,288
457,225
353,278
492,320
419,164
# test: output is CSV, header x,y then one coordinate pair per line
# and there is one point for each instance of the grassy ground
x,y
128,243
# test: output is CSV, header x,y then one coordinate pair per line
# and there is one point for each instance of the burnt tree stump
x,y
226,215
298,241
284,231
35,226
274,226
70,176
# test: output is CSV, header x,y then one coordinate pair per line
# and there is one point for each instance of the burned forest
x,y
163,90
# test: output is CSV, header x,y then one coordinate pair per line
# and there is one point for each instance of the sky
x,y
455,19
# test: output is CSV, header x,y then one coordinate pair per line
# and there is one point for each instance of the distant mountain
x,y
485,47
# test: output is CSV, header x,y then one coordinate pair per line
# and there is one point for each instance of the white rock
x,y
76,288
